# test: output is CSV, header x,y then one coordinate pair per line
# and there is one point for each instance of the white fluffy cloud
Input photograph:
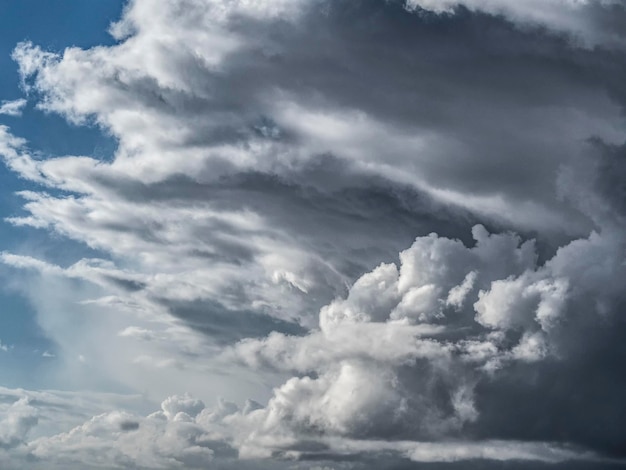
x,y
199,437
18,419
122,440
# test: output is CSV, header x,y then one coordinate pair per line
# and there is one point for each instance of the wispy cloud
x,y
12,108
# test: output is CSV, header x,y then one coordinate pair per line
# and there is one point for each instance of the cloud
x,y
441,452
587,20
185,434
26,416
393,228
278,163
120,440
17,421
115,439
12,108
334,115
376,370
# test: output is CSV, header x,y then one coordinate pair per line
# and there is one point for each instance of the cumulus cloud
x,y
122,440
272,160
18,419
186,434
114,439
376,369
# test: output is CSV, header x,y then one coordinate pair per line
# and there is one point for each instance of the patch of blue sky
x,y
25,353
52,25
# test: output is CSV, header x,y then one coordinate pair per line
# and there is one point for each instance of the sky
x,y
312,234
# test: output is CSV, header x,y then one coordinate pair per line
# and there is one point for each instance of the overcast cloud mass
x,y
331,235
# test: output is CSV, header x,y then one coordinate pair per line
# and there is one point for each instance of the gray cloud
x,y
588,23
186,434
273,159
375,370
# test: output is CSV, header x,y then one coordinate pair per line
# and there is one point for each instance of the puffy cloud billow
x,y
388,234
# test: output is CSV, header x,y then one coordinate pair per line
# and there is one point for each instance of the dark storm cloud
x,y
419,73
578,399
226,326
416,73
435,73
610,181
372,218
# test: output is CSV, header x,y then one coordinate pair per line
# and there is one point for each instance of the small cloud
x,y
47,354
12,108
5,347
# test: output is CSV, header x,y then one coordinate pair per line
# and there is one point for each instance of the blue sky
x,y
59,24
312,234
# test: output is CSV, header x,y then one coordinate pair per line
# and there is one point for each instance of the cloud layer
x,y
273,160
